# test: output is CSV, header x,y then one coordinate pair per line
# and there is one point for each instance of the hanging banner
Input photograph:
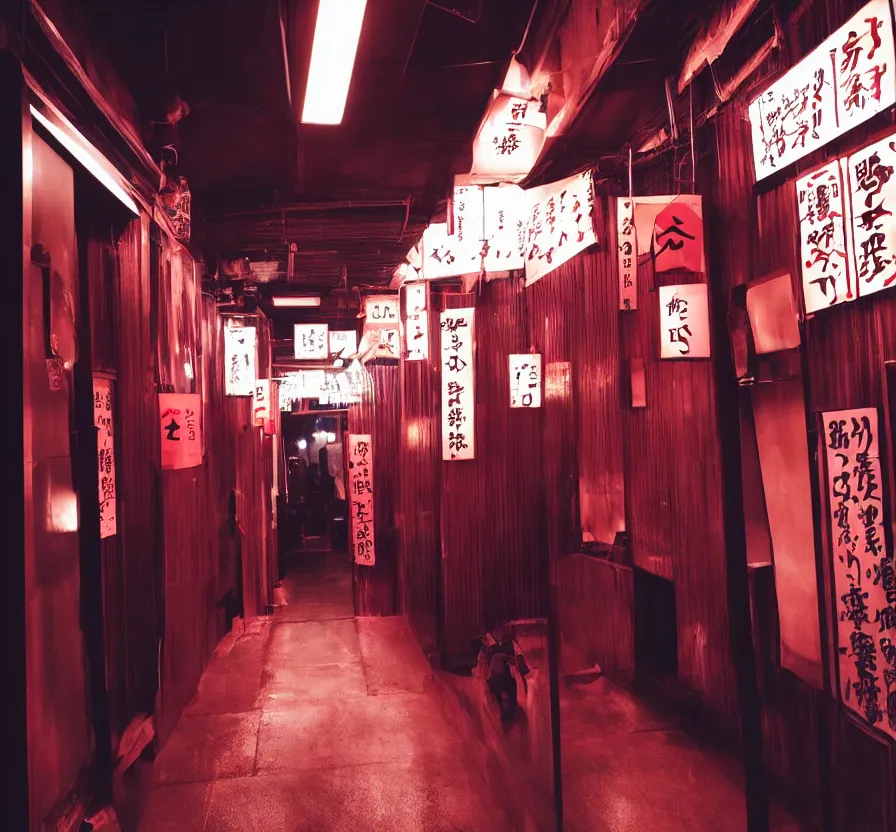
x,y
684,321
525,381
628,253
847,228
509,139
827,270
678,236
311,342
382,324
864,582
105,454
672,224
343,343
239,351
445,255
360,495
560,224
845,81
181,430
416,327
489,222
872,190
458,395
506,210
340,386
262,406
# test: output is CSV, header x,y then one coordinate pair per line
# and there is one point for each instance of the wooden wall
x,y
491,509
419,500
815,752
376,587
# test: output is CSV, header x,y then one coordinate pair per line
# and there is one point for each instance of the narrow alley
x,y
456,415
318,720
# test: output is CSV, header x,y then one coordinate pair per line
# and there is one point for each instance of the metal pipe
x,y
344,205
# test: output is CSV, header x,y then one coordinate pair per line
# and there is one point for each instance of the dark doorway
x,y
315,482
656,631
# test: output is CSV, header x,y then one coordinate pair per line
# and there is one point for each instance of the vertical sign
x,y
416,327
677,241
105,454
262,402
845,81
824,255
239,352
458,401
181,430
360,486
864,582
560,224
628,253
525,381
343,343
872,199
311,342
684,321
381,317
489,224
504,248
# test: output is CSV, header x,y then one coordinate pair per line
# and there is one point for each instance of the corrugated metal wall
x,y
753,232
376,587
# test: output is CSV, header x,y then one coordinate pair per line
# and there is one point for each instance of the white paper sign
x,y
360,495
262,405
525,381
509,139
458,399
105,454
490,222
684,321
560,224
845,81
628,253
864,582
416,327
506,210
180,425
311,342
382,320
343,343
827,270
446,255
872,188
239,351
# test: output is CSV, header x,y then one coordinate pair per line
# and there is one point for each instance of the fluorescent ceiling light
x,y
332,60
87,155
297,302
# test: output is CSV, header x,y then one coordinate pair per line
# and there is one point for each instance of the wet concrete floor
x,y
318,721
627,768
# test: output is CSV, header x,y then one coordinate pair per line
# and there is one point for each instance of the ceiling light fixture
x,y
296,303
336,38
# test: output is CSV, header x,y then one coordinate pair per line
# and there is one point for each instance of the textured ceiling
x,y
352,198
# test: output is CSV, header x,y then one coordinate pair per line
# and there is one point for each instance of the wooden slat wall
x,y
491,509
753,234
102,265
674,490
419,500
134,604
596,612
376,587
